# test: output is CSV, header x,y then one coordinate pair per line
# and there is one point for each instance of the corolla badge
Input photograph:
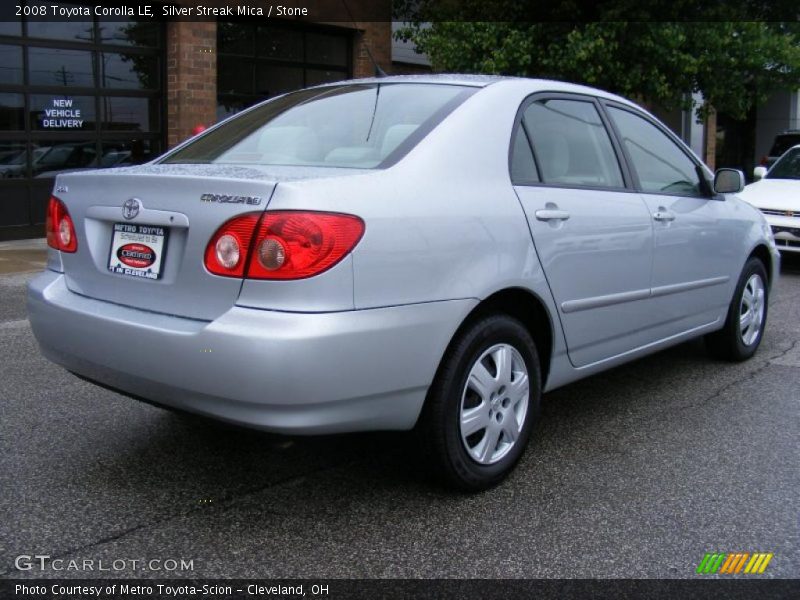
x,y
131,208
231,199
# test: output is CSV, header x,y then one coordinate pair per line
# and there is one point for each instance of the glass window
x,y
787,167
11,27
234,38
13,160
74,31
54,112
57,67
279,43
318,76
64,156
12,112
11,64
130,71
571,144
129,114
140,34
272,80
234,76
126,153
326,49
523,167
372,122
661,165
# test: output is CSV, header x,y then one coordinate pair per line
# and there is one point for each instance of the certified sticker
x,y
138,250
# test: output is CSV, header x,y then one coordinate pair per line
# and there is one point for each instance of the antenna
x,y
378,71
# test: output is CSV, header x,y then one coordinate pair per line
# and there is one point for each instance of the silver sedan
x,y
404,252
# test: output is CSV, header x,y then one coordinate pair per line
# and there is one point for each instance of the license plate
x,y
138,250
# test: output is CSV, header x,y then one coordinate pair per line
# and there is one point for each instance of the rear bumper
x,y
302,373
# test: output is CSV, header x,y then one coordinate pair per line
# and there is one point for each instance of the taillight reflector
x,y
59,227
285,244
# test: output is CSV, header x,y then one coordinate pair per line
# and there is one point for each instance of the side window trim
x,y
519,125
533,150
605,104
620,155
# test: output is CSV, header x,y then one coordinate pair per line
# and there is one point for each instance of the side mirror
x,y
759,173
728,181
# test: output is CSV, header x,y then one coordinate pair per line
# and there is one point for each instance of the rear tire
x,y
744,326
482,405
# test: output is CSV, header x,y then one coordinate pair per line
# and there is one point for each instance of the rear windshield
x,y
787,167
783,142
361,126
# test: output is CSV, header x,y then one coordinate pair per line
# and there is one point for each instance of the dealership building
x,y
98,93
104,92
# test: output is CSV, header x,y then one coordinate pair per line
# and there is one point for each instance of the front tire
x,y
483,404
744,326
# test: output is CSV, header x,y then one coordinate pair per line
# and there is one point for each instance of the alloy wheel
x,y
494,404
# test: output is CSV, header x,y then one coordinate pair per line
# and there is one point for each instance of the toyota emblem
x,y
131,208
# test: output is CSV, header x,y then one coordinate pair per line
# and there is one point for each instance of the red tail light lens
x,y
284,244
294,244
226,253
60,228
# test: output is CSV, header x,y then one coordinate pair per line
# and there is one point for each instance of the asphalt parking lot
x,y
637,472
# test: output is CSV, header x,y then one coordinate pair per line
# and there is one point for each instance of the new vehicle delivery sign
x,y
62,115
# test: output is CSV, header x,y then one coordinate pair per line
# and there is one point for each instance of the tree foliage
x,y
735,64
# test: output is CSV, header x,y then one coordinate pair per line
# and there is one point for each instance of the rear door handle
x,y
663,214
551,215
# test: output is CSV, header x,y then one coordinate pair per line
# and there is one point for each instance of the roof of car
x,y
451,78
486,80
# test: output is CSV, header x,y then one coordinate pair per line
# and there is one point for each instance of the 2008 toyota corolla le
x,y
430,252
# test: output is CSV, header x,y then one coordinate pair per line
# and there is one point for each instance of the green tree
x,y
734,64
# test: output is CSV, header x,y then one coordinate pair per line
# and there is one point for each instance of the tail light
x,y
60,228
764,161
285,244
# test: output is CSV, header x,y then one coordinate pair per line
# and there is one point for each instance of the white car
x,y
776,193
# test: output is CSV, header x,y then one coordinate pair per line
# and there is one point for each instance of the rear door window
x,y
571,144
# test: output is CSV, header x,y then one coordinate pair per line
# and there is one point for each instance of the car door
x,y
592,232
692,260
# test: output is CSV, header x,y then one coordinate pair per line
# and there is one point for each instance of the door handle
x,y
662,214
551,215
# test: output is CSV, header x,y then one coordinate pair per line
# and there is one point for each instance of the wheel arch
x,y
762,253
525,306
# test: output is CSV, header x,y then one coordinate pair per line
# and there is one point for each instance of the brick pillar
x,y
191,78
711,139
378,35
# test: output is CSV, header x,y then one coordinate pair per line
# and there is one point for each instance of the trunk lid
x,y
187,203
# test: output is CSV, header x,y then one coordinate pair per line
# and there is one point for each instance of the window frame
x,y
95,47
621,157
707,186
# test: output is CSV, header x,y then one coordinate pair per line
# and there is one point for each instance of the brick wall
x,y
379,37
191,90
